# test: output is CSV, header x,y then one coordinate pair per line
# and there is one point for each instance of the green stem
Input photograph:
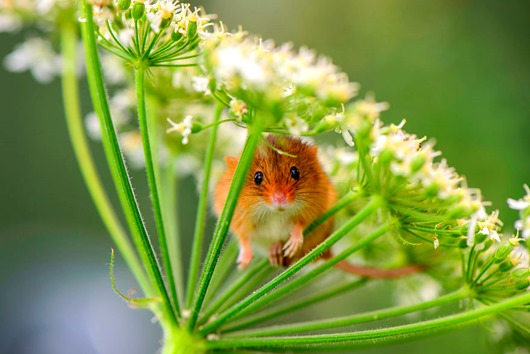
x,y
225,266
169,184
355,319
235,286
484,270
295,306
167,180
152,179
84,158
202,208
117,166
224,220
376,336
255,299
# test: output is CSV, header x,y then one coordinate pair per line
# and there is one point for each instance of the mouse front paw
x,y
276,257
245,257
295,242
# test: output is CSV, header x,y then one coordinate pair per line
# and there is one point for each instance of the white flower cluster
x,y
157,31
37,53
414,159
248,64
523,206
299,86
13,14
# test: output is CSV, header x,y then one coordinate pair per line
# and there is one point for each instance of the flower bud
x,y
480,237
196,127
462,243
417,163
192,29
521,284
138,10
520,273
124,5
176,35
506,266
385,157
502,252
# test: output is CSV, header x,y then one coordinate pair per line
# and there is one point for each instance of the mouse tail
x,y
378,273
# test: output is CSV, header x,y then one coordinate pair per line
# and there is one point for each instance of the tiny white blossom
x,y
295,124
238,108
37,56
201,84
184,128
436,242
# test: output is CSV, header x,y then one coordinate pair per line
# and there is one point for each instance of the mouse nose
x,y
279,198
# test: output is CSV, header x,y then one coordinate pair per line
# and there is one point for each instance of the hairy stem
x,y
355,319
84,158
295,306
371,337
153,178
224,221
202,208
117,166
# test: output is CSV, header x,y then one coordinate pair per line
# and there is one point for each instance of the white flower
x,y
36,55
201,84
238,108
295,124
524,225
490,225
9,23
523,205
184,128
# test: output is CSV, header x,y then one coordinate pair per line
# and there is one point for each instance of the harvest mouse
x,y
285,190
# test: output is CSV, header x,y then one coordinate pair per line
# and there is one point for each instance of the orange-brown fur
x,y
313,192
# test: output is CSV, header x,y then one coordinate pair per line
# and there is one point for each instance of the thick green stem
x,y
118,169
152,179
255,300
371,337
202,208
84,158
355,319
295,306
224,220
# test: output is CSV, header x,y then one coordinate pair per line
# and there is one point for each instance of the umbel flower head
x,y
156,33
297,88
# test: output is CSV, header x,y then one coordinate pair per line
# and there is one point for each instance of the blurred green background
x,y
458,71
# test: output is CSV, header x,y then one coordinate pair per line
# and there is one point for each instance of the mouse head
x,y
284,175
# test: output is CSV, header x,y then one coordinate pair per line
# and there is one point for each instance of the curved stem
x,y
355,319
202,208
224,220
255,299
371,337
152,179
74,122
295,306
117,166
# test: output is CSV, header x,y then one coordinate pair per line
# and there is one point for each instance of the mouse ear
x,y
231,161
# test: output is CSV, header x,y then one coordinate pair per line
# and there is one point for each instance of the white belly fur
x,y
276,227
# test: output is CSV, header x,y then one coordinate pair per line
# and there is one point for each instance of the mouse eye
x,y
295,173
258,178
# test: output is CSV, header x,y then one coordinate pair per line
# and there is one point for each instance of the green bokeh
x,y
458,71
